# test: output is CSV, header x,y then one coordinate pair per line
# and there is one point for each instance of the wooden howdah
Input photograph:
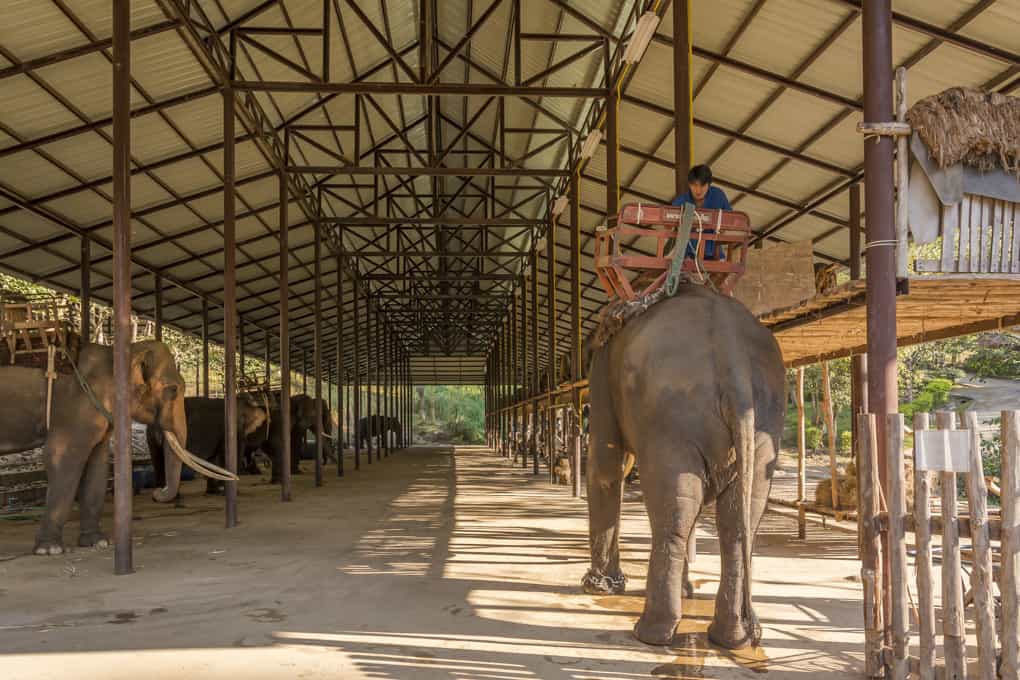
x,y
627,273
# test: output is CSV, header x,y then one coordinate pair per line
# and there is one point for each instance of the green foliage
x,y
812,437
846,438
995,362
449,413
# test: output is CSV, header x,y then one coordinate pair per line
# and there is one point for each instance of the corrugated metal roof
x,y
769,172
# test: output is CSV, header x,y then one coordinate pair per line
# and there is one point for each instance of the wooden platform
x,y
833,325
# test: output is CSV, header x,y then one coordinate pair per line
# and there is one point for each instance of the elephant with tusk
x,y
76,444
206,435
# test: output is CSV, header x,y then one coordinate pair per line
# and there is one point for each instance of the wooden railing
x,y
979,236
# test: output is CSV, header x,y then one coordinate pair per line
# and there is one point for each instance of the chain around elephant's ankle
x,y
596,581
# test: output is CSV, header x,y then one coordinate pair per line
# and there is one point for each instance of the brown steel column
x,y
613,156
876,27
370,339
304,370
682,113
340,401
859,362
575,325
533,266
122,483
285,491
265,358
241,347
85,291
523,410
380,344
205,348
550,300
317,355
229,309
356,394
158,292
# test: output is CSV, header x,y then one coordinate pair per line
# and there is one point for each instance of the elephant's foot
x,y
732,634
655,632
93,539
688,588
597,583
51,546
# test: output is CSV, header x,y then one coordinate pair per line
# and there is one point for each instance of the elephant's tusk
x,y
202,467
329,436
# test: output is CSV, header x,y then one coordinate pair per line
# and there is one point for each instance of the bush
x,y
846,438
812,438
939,388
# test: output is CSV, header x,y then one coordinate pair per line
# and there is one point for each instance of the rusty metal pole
x,y
265,357
242,346
515,374
876,27
340,401
523,394
370,339
575,324
550,300
205,348
378,382
683,121
85,291
533,266
356,393
285,425
317,354
122,491
158,292
229,309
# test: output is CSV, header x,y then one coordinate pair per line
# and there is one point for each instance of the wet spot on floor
x,y
123,617
266,615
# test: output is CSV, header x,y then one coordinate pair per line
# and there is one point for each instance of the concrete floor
x,y
430,564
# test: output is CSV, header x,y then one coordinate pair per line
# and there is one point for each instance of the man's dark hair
x,y
702,174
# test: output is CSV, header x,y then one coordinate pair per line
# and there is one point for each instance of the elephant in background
x,y
207,433
377,426
694,387
76,444
270,439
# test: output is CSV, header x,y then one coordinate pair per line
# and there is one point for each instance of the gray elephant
x,y
377,426
206,433
76,444
302,421
694,388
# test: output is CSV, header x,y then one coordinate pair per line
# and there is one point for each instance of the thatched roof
x,y
969,126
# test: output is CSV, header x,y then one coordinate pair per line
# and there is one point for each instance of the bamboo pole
x,y
897,509
922,562
953,632
871,547
830,426
981,570
1009,584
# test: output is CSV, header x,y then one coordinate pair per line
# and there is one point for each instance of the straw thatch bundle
x,y
965,125
846,483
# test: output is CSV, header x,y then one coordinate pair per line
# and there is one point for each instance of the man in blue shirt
x,y
703,195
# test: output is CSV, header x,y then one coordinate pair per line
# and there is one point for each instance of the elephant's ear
x,y
142,367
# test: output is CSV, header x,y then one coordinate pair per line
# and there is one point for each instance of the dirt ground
x,y
433,563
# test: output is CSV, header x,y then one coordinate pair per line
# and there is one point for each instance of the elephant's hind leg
x,y
673,487
63,473
91,494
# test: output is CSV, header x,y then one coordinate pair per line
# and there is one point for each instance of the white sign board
x,y
942,450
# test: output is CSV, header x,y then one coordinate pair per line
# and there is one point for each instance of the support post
x,y
871,548
356,393
876,29
954,632
380,343
683,121
122,482
205,347
801,457
285,491
830,427
859,362
981,578
535,390
85,290
922,560
899,619
265,357
158,292
1010,573
575,325
340,401
317,354
550,301
230,435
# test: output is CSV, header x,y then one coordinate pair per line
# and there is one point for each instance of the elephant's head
x,y
252,412
157,398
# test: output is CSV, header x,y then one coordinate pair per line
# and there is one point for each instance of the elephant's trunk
x,y
175,430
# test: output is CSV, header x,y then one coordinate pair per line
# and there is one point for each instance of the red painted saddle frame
x,y
728,228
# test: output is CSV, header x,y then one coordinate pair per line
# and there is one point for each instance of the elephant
x,y
302,420
377,426
206,432
75,444
694,389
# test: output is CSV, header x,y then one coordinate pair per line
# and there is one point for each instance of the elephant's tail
x,y
743,443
